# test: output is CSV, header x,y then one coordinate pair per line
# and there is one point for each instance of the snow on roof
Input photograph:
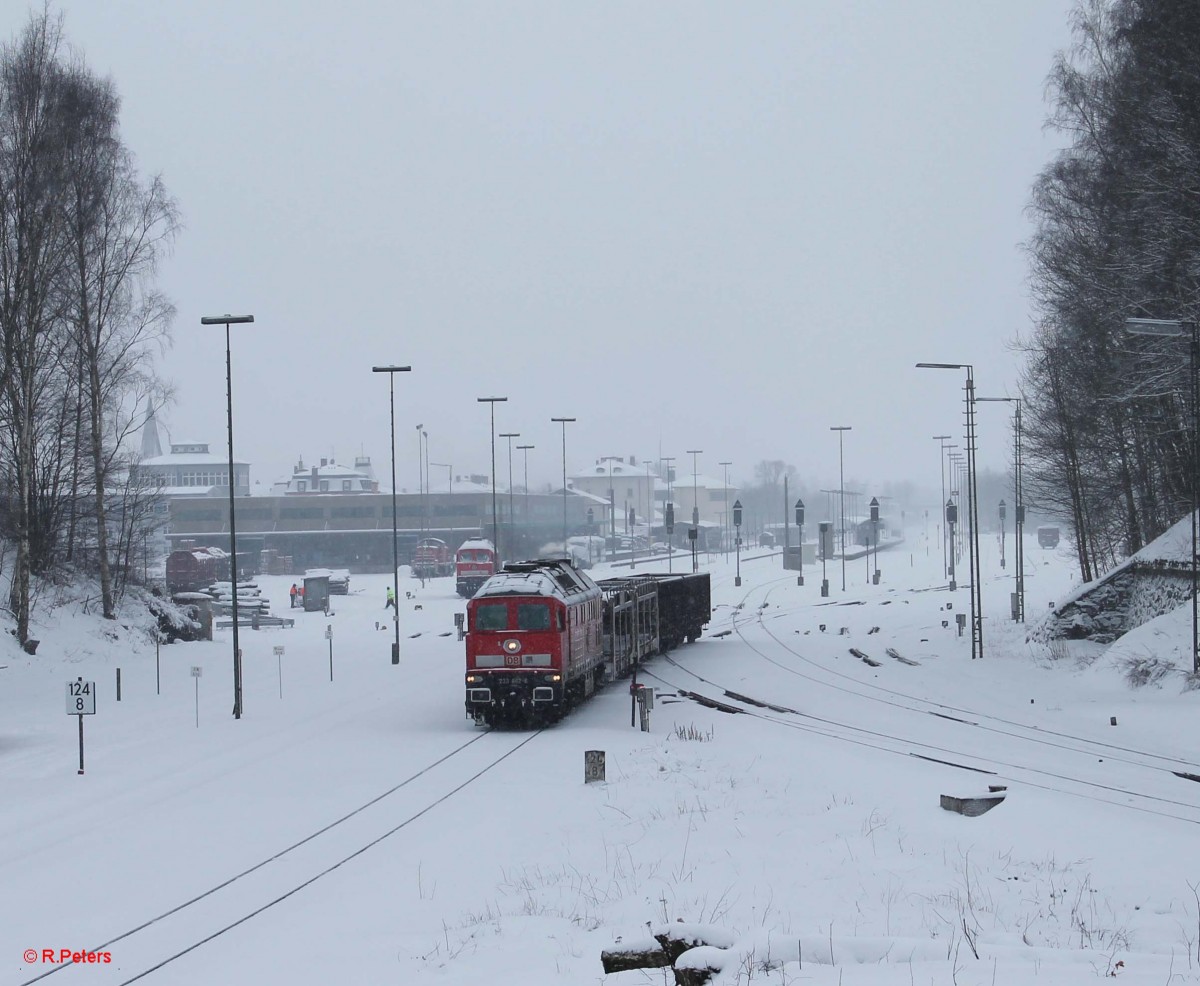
x,y
537,583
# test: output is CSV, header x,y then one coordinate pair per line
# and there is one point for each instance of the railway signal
x,y
737,524
800,538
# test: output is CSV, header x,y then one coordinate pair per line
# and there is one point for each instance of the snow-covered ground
x,y
362,830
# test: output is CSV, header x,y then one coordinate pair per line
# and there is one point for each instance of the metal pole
x,y
564,422
725,529
525,510
493,401
510,435
391,371
1195,359
840,429
695,508
941,440
233,563
227,320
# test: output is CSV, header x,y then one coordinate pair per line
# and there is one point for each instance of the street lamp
x,y
493,401
564,422
1003,514
510,435
421,480
800,538
391,371
972,506
694,533
951,520
1018,601
525,449
875,536
840,429
228,320
1174,328
669,515
737,524
823,534
725,500
942,440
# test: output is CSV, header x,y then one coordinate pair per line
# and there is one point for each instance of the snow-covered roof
x,y
537,583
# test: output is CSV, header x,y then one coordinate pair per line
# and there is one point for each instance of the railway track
x,y
962,738
167,937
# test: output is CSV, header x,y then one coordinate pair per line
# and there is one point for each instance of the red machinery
x,y
192,569
432,558
474,564
534,643
542,636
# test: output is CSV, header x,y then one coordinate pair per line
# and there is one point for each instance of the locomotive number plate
x,y
512,660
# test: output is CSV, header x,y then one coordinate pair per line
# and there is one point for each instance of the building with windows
x,y
329,477
190,469
625,485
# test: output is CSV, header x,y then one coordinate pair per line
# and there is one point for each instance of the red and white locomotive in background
x,y
474,564
542,636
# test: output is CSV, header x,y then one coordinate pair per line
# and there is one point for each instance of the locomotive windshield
x,y
533,616
491,616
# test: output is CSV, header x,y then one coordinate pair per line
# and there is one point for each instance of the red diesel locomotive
x,y
474,564
541,636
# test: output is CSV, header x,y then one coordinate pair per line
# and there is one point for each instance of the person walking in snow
x,y
391,599
292,594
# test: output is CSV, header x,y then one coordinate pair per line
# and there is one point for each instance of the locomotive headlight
x,y
512,646
473,679
556,677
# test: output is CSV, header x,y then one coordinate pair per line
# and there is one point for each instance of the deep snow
x,y
352,831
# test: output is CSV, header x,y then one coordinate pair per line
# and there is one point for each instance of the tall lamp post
x,y
669,516
725,501
564,422
1018,601
826,540
391,371
493,401
420,491
875,536
737,541
510,435
694,533
228,320
525,511
842,429
942,440
1175,328
1003,531
800,538
972,505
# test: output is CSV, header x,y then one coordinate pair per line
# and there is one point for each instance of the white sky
x,y
745,222
782,831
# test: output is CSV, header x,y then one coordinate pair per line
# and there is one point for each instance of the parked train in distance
x,y
474,564
542,636
432,559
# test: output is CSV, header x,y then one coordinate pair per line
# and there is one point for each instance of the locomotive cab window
x,y
493,616
533,616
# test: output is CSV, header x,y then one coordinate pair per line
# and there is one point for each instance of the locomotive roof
x,y
538,578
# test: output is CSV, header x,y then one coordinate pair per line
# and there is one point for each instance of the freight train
x,y
542,636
